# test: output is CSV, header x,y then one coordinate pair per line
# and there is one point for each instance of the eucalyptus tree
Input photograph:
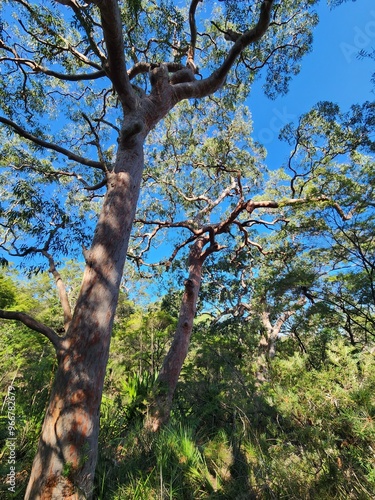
x,y
203,194
220,206
81,86
333,154
352,290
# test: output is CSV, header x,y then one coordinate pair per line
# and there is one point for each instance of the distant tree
x,y
341,239
217,210
7,291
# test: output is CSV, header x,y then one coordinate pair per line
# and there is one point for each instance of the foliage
x,y
27,363
327,425
306,433
58,132
140,340
57,155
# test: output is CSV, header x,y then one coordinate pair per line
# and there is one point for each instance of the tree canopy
x,y
62,101
101,99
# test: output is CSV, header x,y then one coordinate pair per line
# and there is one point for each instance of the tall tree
x,y
81,87
220,211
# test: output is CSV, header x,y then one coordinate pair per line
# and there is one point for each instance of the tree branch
x,y
207,86
116,66
193,35
37,68
49,145
33,324
214,203
320,199
64,301
63,173
145,67
47,28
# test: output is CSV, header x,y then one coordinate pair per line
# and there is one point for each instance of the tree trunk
x,y
165,385
268,341
266,352
65,463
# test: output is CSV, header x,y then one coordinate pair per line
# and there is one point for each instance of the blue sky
x,y
331,72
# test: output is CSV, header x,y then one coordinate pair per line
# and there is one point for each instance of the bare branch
x,y
49,145
168,224
320,199
193,35
33,324
209,85
63,173
77,77
64,301
252,205
115,66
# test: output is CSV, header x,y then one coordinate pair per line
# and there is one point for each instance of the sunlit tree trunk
x,y
268,340
165,386
65,463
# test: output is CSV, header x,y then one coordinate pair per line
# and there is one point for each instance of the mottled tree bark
x,y
65,462
165,385
267,342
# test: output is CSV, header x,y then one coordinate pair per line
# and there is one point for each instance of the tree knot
x,y
189,284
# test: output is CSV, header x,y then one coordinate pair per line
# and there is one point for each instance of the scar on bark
x,y
189,287
133,128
